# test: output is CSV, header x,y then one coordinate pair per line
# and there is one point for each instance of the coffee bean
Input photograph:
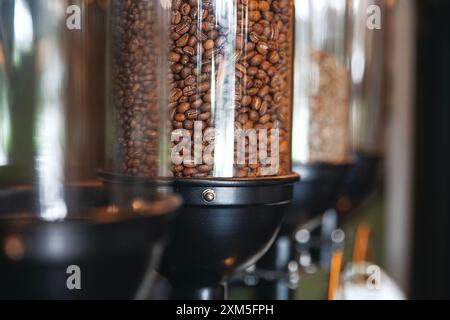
x,y
174,57
256,102
253,115
266,65
189,91
264,5
177,125
175,94
264,108
185,9
183,107
257,59
254,15
264,91
243,118
179,117
264,119
182,27
176,17
192,114
204,86
208,44
253,5
192,41
274,57
246,101
190,80
190,51
204,116
182,41
262,47
188,124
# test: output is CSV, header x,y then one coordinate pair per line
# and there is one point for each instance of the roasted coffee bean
x,y
274,57
253,115
204,116
179,117
264,119
190,51
252,4
246,101
254,15
183,40
176,17
264,6
264,91
175,94
257,59
256,103
190,80
183,107
188,124
189,91
185,9
262,47
192,114
182,27
264,108
174,57
266,65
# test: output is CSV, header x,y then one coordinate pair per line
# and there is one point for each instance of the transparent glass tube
x,y
138,87
367,69
53,91
230,86
51,103
322,82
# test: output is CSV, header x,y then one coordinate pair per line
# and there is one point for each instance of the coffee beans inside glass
x,y
200,88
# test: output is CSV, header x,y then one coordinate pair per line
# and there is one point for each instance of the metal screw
x,y
209,195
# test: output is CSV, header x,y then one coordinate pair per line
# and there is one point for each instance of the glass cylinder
x,y
228,104
367,74
52,107
138,87
52,92
322,83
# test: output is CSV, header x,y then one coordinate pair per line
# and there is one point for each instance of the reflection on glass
x,y
49,134
367,75
5,117
223,92
23,30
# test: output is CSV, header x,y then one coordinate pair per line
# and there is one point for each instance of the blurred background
x,y
409,215
407,218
